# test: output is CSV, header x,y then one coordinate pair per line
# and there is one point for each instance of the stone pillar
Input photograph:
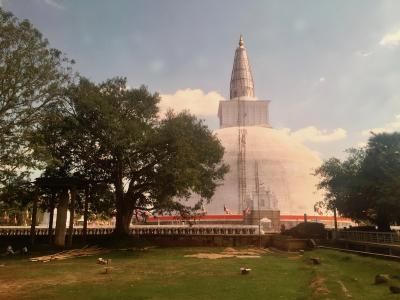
x,y
61,226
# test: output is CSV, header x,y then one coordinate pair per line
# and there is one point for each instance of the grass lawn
x,y
164,273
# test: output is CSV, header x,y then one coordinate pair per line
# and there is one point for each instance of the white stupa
x,y
284,165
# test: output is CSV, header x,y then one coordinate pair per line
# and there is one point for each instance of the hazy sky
x,y
331,68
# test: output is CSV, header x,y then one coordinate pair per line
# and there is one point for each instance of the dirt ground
x,y
231,252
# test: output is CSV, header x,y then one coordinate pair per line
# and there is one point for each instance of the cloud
x,y
300,25
157,66
362,144
391,39
315,135
195,100
201,62
388,128
55,3
364,53
136,37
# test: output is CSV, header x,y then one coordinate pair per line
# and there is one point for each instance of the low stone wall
x,y
213,229
209,240
175,240
159,240
289,244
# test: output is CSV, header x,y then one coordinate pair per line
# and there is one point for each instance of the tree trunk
x,y
86,215
6,218
383,219
124,211
123,218
61,222
123,222
51,218
26,217
33,222
20,218
71,216
383,225
335,217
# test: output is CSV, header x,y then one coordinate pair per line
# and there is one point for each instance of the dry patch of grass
x,y
67,254
209,255
231,253
318,286
17,288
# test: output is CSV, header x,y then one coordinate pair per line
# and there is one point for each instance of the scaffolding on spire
x,y
241,161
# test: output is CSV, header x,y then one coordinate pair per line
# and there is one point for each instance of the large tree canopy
x,y
113,134
365,186
106,135
32,77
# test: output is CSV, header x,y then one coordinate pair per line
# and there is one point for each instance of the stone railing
x,y
146,230
194,230
370,236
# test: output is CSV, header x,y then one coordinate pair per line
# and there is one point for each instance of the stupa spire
x,y
241,42
241,80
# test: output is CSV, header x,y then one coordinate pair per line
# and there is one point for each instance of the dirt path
x,y
231,253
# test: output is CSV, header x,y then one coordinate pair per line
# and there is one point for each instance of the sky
x,y
330,68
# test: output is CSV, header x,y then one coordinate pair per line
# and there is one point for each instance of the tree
x,y
150,162
32,78
365,186
59,141
15,198
381,179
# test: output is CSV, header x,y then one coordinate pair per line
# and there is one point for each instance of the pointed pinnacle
x,y
241,42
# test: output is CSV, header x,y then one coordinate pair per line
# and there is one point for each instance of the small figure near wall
x,y
10,250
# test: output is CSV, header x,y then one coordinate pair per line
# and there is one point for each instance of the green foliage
x,y
32,78
111,134
365,185
192,159
307,230
101,200
106,135
15,197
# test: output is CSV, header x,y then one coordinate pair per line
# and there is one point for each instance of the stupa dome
x,y
285,169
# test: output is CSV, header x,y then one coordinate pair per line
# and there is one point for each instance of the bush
x,y
307,230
